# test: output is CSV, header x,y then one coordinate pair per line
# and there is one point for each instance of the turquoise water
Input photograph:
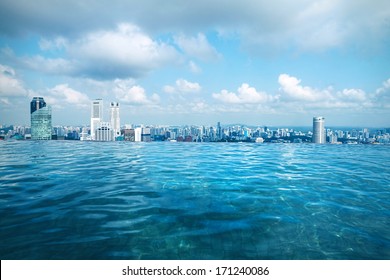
x,y
88,200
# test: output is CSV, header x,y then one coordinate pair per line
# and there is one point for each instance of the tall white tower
x,y
96,116
115,120
319,136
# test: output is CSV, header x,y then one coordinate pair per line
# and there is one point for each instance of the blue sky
x,y
177,62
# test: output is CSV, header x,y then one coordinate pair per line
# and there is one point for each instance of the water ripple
x,y
86,200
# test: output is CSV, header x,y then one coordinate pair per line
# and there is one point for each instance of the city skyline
x,y
252,62
100,130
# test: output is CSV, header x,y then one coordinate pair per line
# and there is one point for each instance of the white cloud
x,y
182,86
123,85
294,95
10,85
186,86
385,87
382,95
124,52
133,94
293,90
200,107
197,47
357,95
227,97
62,94
245,95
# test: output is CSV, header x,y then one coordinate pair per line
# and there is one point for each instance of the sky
x,y
175,62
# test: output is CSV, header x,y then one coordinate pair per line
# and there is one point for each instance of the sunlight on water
x,y
86,200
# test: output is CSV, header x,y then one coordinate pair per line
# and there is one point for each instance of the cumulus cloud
x,y
292,88
135,94
182,86
123,52
10,85
245,95
62,95
197,47
186,86
294,95
384,88
382,94
356,95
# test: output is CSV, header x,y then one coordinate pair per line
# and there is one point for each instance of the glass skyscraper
x,y
40,119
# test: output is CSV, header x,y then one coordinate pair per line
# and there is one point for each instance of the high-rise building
x,y
40,119
114,118
96,116
219,131
319,135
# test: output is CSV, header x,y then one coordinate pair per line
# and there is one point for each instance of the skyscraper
x,y
114,118
40,119
319,136
219,131
96,116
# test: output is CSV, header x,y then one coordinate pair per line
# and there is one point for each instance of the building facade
x,y
104,132
138,134
319,135
115,119
40,119
96,116
145,134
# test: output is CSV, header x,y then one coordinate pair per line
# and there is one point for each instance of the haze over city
x,y
201,62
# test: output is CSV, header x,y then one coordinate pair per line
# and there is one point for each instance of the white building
x,y
84,134
114,118
319,135
104,132
138,134
96,116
